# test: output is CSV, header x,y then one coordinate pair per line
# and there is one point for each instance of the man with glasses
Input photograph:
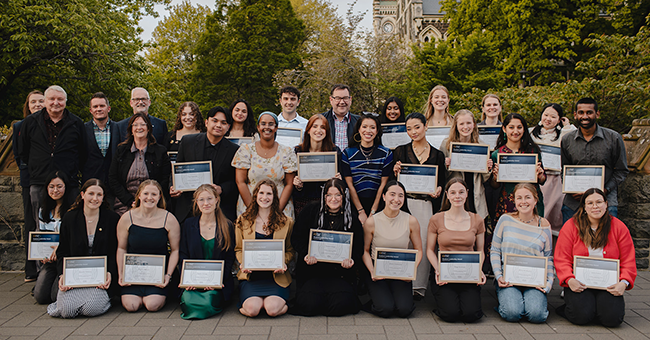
x,y
340,119
140,102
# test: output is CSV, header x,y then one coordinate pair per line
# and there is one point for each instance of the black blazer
x,y
330,116
97,165
15,139
159,128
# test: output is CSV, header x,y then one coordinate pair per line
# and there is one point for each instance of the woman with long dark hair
x,y
243,120
188,121
392,112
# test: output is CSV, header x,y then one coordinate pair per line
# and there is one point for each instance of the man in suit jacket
x,y
210,146
340,119
140,102
102,136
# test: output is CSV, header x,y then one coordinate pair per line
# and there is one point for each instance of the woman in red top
x,y
594,232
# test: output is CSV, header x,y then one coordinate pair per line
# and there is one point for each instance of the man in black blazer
x,y
140,102
210,146
339,117
102,136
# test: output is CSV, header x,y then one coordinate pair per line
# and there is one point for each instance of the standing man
x,y
140,102
289,101
340,119
102,136
593,144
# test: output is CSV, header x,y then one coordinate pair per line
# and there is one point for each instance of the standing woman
x,y
264,159
436,110
188,121
243,121
263,219
594,232
393,111
456,229
147,229
88,229
491,110
209,235
422,207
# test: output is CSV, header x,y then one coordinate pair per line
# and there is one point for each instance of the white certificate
x,y
580,178
551,157
596,273
517,168
469,157
330,246
84,271
525,270
394,135
288,136
317,166
173,155
241,140
395,263
187,176
42,244
141,269
202,274
419,179
460,266
489,134
263,254
436,134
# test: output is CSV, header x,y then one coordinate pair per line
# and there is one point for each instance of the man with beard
x,y
593,144
140,102
340,119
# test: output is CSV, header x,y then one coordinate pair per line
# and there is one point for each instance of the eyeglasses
x,y
596,203
339,99
135,100
140,125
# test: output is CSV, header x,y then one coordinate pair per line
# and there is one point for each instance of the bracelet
x,y
170,275
360,210
372,212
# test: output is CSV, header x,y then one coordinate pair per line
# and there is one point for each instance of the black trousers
x,y
47,284
326,296
391,297
594,305
457,301
30,225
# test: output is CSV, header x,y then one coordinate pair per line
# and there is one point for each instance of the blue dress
x,y
261,283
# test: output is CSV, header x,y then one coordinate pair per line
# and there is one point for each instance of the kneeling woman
x,y
88,229
391,228
327,288
263,219
207,236
594,232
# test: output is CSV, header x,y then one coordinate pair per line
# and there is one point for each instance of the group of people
x,y
256,193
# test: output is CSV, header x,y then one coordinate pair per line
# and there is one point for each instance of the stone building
x,y
414,21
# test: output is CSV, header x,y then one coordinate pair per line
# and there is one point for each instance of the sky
x,y
149,23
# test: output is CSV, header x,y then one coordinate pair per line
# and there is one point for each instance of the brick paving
x,y
22,318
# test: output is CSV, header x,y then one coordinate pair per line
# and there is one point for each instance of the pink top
x,y
452,240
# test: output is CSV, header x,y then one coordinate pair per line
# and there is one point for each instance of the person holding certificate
x,y
207,236
436,110
594,232
422,207
456,229
189,121
393,111
491,110
391,228
88,229
263,219
140,232
523,232
243,121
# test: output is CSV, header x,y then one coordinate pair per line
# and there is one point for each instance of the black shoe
x,y
30,278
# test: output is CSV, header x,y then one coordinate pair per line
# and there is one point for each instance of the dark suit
x,y
97,165
330,116
159,129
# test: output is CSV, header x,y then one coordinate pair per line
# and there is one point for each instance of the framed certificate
x,y
395,263
202,274
460,266
172,156
87,271
187,176
525,270
330,246
394,135
579,178
139,269
241,140
317,166
263,254
596,273
517,168
489,134
436,134
469,157
551,156
419,179
288,136
41,244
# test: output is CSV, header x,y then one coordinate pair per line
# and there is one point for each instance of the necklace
x,y
264,224
267,150
367,155
526,222
419,154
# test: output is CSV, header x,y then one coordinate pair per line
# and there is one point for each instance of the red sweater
x,y
619,246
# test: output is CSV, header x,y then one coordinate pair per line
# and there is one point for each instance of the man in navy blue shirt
x,y
140,102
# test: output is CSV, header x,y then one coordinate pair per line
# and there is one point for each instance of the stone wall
x,y
11,224
634,211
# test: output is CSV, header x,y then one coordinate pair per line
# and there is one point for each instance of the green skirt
x,y
197,304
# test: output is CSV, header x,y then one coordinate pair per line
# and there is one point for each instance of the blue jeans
x,y
516,303
567,213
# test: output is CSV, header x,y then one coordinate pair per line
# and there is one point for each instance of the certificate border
x,y
65,261
516,154
422,165
311,233
244,242
170,153
396,250
480,270
29,245
470,144
505,257
336,163
551,145
489,126
389,125
187,163
290,128
223,266
602,177
143,283
618,267
252,139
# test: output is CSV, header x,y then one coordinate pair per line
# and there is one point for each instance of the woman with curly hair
x,y
188,121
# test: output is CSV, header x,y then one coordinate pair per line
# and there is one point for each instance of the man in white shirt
x,y
289,101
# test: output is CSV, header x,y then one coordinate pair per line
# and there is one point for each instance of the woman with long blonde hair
x,y
436,109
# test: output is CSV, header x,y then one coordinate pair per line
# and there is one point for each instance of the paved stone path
x,y
22,318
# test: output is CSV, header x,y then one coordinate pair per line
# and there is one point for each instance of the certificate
x,y
395,263
551,157
330,246
460,266
489,134
469,157
288,136
317,166
517,168
202,274
172,156
436,134
263,254
87,271
596,273
419,179
141,269
187,176
525,270
241,140
394,135
42,244
579,178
